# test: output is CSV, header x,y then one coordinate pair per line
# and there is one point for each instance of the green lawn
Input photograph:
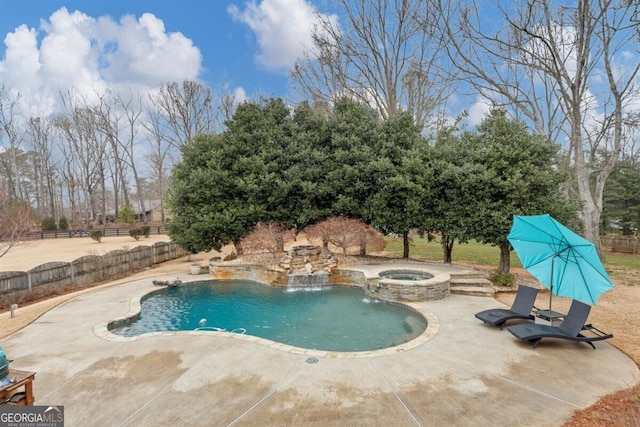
x,y
612,259
487,255
472,252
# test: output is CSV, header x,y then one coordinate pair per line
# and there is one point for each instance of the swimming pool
x,y
334,318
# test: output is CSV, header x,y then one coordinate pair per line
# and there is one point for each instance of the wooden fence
x,y
80,232
628,244
90,268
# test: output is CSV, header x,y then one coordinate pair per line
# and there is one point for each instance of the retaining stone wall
x,y
90,268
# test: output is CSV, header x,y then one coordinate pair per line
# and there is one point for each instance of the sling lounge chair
x,y
521,308
572,328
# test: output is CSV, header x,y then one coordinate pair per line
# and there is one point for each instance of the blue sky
x,y
239,46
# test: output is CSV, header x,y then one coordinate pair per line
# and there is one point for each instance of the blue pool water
x,y
331,318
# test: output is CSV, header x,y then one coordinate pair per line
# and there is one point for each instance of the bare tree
x,y
372,241
175,114
69,175
344,233
41,133
113,167
132,109
320,232
187,110
84,149
269,236
160,158
558,66
118,118
382,57
15,223
11,138
227,105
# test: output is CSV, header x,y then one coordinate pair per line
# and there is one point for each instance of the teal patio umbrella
x,y
561,260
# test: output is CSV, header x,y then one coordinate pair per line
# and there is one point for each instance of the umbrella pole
x,y
551,287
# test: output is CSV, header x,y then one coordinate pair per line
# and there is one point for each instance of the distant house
x,y
153,212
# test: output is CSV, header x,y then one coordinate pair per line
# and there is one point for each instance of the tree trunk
x,y
51,190
447,248
238,246
590,223
505,257
279,244
363,246
590,214
405,244
72,202
103,190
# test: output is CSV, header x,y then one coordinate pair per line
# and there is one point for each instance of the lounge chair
x,y
520,309
572,328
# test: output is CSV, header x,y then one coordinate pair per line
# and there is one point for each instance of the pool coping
x,y
101,330
463,376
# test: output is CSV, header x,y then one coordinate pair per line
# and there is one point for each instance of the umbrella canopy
x,y
561,260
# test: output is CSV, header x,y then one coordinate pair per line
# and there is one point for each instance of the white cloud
x,y
239,95
75,51
142,50
22,52
478,111
282,29
66,56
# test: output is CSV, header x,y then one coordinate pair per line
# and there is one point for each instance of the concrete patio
x,y
466,374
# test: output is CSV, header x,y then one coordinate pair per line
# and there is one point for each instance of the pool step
x,y
475,286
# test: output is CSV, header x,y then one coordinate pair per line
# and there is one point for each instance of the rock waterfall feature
x,y
308,266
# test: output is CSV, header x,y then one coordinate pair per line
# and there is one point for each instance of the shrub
x,y
267,236
48,223
96,235
500,278
136,233
126,216
63,223
345,233
375,241
146,230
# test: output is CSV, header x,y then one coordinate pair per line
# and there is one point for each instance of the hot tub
x,y
409,285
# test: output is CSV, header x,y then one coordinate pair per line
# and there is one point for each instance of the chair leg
x,y
535,342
